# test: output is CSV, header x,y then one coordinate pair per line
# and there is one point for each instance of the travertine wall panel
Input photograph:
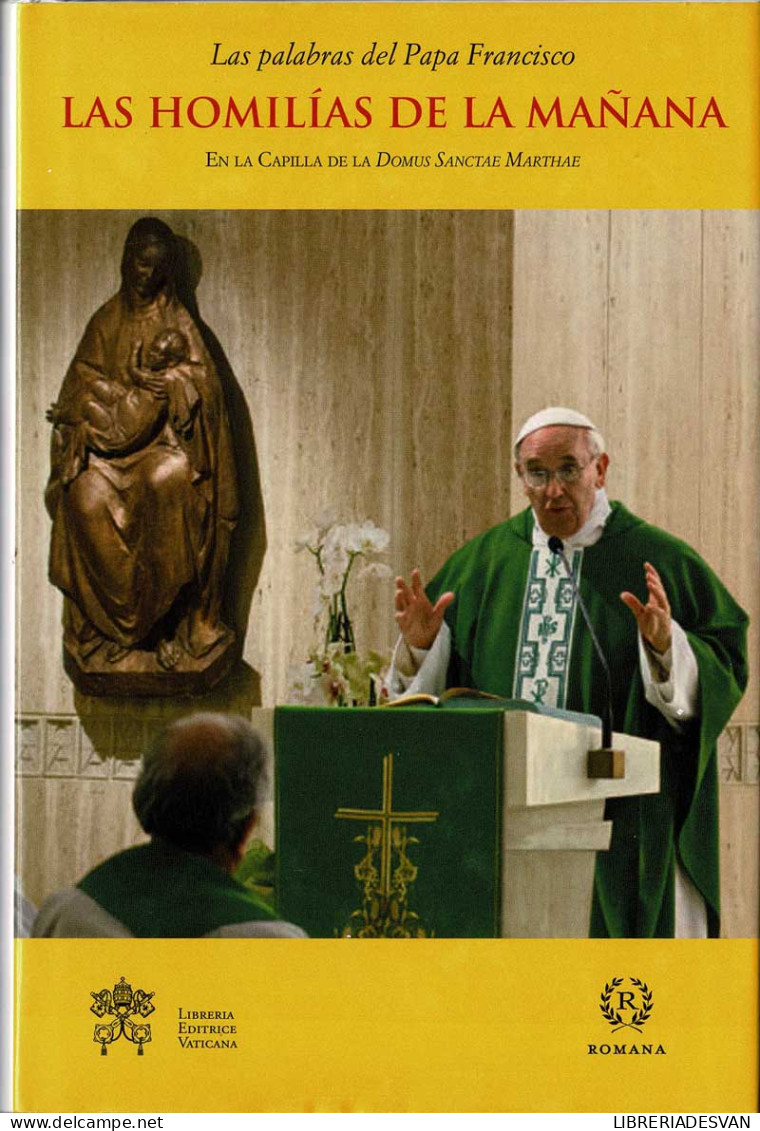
x,y
740,877
560,350
655,346
729,479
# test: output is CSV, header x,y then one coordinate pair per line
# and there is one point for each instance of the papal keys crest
x,y
125,1007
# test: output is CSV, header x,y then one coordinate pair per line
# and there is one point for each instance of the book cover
x,y
403,228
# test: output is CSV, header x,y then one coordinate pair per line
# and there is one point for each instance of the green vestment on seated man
x,y
159,891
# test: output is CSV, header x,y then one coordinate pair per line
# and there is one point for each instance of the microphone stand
x,y
604,761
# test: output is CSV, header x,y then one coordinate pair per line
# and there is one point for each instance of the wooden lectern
x,y
445,822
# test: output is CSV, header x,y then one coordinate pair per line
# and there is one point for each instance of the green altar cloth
x,y
388,822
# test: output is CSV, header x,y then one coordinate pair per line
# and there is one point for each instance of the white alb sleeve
x,y
418,670
671,679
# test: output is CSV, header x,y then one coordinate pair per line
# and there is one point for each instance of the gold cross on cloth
x,y
387,819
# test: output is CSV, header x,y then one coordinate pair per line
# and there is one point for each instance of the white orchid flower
x,y
366,538
334,567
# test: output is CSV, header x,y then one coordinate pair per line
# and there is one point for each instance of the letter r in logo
x,y
626,999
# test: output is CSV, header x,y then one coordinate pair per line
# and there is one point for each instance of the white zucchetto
x,y
555,414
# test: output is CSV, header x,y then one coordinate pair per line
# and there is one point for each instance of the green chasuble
x,y
158,891
634,893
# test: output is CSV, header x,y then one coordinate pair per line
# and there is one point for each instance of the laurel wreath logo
x,y
639,1017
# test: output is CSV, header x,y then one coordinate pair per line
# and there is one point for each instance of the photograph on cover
x,y
235,429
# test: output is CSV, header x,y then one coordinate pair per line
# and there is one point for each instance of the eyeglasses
x,y
539,478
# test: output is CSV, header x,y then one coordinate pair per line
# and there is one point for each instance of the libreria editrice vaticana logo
x,y
125,1008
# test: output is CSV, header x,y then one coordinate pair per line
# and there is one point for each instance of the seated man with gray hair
x,y
196,797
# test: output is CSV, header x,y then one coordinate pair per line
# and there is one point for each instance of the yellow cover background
x,y
644,50
444,1025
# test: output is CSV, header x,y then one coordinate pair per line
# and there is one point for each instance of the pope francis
x,y
501,616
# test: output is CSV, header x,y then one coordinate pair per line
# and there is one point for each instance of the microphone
x,y
606,758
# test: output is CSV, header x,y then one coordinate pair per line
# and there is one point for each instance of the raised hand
x,y
417,619
654,619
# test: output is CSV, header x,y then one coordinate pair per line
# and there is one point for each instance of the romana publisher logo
x,y
626,1004
125,1009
